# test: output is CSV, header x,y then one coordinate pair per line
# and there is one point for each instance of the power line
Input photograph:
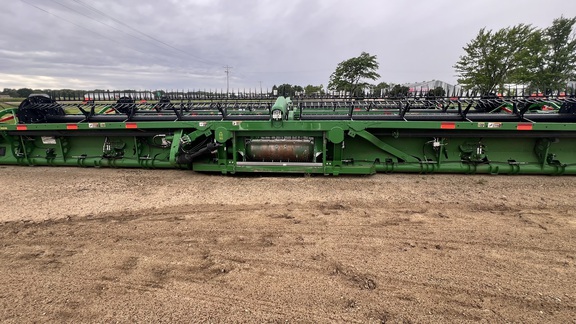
x,y
142,33
227,78
79,26
108,25
105,24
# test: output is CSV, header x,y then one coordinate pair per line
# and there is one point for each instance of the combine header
x,y
508,135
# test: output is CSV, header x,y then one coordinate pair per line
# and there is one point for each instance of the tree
x,y
11,92
159,94
492,57
399,91
24,92
298,90
552,62
313,90
288,90
380,89
437,92
349,74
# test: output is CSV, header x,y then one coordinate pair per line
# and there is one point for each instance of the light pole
x,y
227,80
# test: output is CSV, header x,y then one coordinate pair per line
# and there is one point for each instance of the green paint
x,y
332,147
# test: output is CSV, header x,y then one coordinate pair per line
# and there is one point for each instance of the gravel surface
x,y
166,246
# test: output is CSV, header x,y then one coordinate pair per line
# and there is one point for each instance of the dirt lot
x,y
103,245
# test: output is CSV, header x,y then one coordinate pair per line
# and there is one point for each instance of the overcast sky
x,y
186,44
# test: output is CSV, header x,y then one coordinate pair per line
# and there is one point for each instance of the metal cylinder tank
x,y
280,149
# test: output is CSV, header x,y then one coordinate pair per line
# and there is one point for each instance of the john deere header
x,y
496,135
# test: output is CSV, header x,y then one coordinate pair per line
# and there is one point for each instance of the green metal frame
x,y
339,146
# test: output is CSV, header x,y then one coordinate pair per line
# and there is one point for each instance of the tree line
x,y
541,59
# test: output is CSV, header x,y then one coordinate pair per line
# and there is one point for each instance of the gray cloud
x,y
175,44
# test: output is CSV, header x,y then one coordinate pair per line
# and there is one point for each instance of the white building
x,y
425,86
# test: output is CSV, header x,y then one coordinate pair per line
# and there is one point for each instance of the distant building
x,y
423,87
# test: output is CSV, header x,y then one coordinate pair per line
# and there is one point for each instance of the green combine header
x,y
331,136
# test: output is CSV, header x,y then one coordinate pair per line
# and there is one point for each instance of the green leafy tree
x,y
380,89
313,90
288,90
24,92
11,92
297,90
285,90
492,57
552,62
350,75
160,93
437,92
398,91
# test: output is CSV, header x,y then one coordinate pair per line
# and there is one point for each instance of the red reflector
x,y
448,125
71,126
21,127
524,127
131,125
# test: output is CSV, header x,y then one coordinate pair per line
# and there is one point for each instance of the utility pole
x,y
260,87
227,80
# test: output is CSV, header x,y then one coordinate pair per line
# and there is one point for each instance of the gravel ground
x,y
109,245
